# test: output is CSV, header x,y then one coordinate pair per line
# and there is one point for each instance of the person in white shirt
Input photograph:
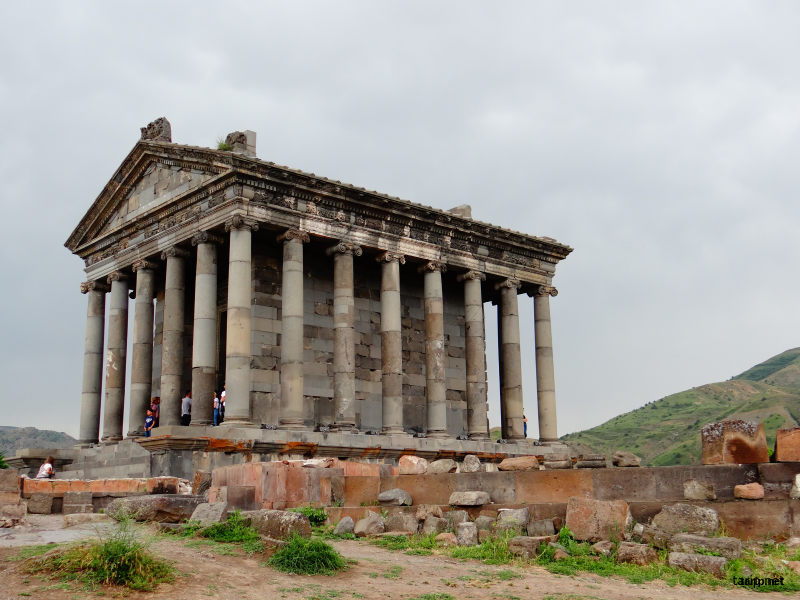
x,y
222,403
216,404
186,409
46,471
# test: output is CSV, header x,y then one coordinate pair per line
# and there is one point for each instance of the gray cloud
x,y
657,139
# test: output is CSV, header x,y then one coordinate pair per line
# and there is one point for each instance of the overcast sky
x,y
660,140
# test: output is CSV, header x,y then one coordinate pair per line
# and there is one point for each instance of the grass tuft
x,y
316,516
303,556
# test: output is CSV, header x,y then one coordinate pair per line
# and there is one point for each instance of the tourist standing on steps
x,y
524,426
222,403
155,408
46,471
149,421
186,409
216,409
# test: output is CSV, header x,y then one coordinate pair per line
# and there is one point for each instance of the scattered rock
x,y
605,548
160,508
471,464
434,524
402,522
591,461
454,517
734,441
512,518
698,490
595,520
73,519
443,465
447,539
319,463
209,513
467,534
278,524
424,510
40,504
652,536
728,547
560,554
685,518
749,491
371,524
395,497
412,465
519,463
527,546
557,464
344,526
469,498
484,523
621,458
698,563
792,542
794,493
540,527
638,554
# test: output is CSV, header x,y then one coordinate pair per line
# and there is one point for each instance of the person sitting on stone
x,y
186,409
149,421
46,471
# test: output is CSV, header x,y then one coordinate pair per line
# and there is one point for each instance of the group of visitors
x,y
152,417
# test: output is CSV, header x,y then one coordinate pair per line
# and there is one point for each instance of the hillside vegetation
x,y
14,438
667,431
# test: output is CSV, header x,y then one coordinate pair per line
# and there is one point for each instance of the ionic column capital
x,y
344,248
294,234
472,275
546,290
239,222
388,257
511,283
174,252
93,286
143,264
117,276
204,237
432,266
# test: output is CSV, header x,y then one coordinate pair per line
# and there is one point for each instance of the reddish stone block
x,y
358,490
596,520
734,441
552,486
9,480
787,445
9,498
749,491
771,519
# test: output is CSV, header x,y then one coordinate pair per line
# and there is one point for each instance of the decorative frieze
x,y
205,237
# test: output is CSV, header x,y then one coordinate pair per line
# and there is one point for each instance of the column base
x,y
201,422
437,435
232,422
394,431
345,427
293,425
478,436
111,440
86,443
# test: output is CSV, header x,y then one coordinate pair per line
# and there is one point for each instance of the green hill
x,y
667,431
14,438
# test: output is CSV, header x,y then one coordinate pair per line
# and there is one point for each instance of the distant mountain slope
x,y
14,438
667,431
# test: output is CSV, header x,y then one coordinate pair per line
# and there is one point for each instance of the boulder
x,y
159,508
278,524
689,543
685,518
605,548
395,497
454,517
595,520
425,510
371,524
749,491
650,535
698,563
73,519
40,504
484,523
512,518
734,441
201,483
638,554
447,539
540,527
519,463
434,524
794,493
319,463
467,534
527,546
787,445
471,464
443,465
698,490
209,513
412,465
621,458
469,498
560,554
402,522
345,526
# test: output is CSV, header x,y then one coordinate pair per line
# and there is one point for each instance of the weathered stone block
x,y
9,481
412,465
344,526
161,508
476,498
512,518
787,445
209,513
443,465
454,517
685,518
484,522
447,539
605,548
403,522
728,547
470,464
519,463
424,510
526,546
638,554
10,498
371,524
40,504
749,491
82,518
621,458
71,509
77,498
698,563
794,493
540,527
698,490
278,524
734,441
395,497
433,524
596,520
467,534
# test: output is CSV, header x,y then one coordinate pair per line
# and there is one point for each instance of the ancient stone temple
x,y
339,320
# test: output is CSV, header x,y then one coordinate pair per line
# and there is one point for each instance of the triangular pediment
x,y
151,177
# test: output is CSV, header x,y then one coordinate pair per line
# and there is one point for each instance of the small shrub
x,y
316,516
307,557
235,529
3,463
223,145
493,551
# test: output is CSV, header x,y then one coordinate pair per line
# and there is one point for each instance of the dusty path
x,y
377,574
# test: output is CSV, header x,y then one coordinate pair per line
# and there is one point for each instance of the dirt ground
x,y
377,574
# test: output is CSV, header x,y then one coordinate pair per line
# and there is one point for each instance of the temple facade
x,y
319,306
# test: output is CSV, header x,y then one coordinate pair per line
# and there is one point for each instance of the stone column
x,y
238,337
172,337
435,358
292,408
545,374
142,361
391,343
344,365
92,361
115,361
511,406
204,334
475,354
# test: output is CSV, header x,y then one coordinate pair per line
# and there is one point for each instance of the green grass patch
x,y
316,516
31,551
307,557
235,532
493,551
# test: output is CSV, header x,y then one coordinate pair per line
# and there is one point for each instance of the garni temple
x,y
340,321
